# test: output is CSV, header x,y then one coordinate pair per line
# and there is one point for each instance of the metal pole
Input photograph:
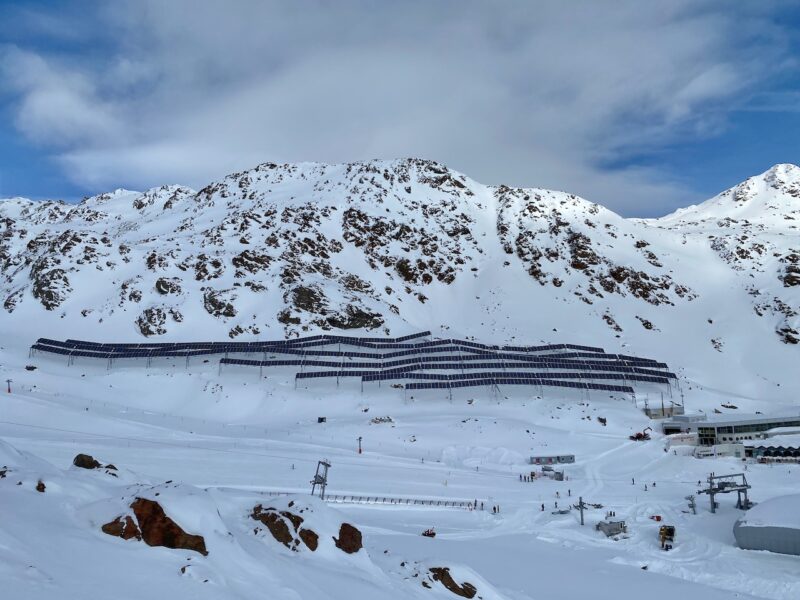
x,y
580,505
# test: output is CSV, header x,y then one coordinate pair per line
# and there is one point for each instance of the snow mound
x,y
775,512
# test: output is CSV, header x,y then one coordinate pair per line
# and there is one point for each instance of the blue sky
x,y
643,107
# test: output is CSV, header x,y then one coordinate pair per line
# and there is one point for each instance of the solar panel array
x,y
418,363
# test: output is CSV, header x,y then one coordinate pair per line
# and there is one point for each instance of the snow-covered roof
x,y
752,419
783,511
787,441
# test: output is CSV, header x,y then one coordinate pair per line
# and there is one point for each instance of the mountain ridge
x,y
395,246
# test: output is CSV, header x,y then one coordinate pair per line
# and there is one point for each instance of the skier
x,y
542,506
569,492
633,481
645,487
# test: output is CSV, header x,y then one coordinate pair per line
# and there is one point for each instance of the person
x,y
645,487
494,509
542,506
520,476
569,492
481,505
654,484
633,481
556,503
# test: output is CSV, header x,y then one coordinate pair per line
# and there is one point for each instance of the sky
x,y
641,106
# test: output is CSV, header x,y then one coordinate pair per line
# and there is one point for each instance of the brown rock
x,y
124,528
310,539
442,575
349,539
275,523
85,461
158,529
40,487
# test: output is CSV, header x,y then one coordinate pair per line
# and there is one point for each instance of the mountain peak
x,y
772,196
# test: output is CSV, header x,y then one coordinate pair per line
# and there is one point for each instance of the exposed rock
x,y
285,526
124,528
157,529
355,318
152,321
219,303
166,285
86,461
310,538
349,539
442,575
40,487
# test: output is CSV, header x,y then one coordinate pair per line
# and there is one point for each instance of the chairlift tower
x,y
320,478
725,484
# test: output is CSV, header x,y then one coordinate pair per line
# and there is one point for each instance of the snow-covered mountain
x,y
184,495
395,246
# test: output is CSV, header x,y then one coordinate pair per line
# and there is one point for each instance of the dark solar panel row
x,y
514,381
587,361
506,375
592,369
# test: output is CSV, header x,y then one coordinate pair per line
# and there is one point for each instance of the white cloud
x,y
526,94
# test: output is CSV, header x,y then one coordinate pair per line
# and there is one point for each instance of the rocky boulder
x,y
159,530
285,526
349,539
154,527
124,528
443,576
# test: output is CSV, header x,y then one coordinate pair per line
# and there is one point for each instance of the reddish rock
x,y
310,539
124,528
157,529
86,461
349,539
275,523
442,575
285,527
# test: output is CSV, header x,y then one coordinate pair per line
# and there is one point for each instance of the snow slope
x,y
385,247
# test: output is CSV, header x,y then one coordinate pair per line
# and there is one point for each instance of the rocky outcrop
x,y
285,527
442,575
349,539
122,527
154,527
165,285
152,321
219,303
86,461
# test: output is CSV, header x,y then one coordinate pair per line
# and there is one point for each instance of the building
x,y
720,451
778,446
556,459
685,423
730,428
773,525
